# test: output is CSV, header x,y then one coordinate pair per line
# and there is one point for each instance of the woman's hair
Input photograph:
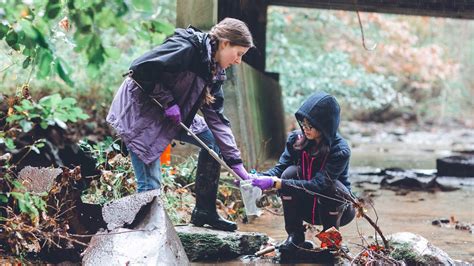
x,y
232,30
314,148
320,149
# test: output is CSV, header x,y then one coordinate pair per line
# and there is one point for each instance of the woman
x,y
312,172
184,74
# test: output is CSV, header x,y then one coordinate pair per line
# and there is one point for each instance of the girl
x,y
184,74
315,161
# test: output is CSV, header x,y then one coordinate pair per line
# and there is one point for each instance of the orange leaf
x,y
64,24
330,238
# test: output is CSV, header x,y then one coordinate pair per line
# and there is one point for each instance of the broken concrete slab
x,y
38,180
149,240
122,212
207,244
417,250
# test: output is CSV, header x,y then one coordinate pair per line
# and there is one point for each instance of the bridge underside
x,y
254,13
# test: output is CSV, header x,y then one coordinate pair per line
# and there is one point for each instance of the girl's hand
x,y
173,113
265,182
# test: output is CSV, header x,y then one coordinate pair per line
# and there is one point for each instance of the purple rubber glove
x,y
173,113
263,182
240,171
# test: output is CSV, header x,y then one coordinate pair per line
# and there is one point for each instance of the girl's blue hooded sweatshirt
x,y
323,112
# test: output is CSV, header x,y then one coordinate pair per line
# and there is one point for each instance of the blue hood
x,y
323,112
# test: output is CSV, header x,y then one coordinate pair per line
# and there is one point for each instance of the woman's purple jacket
x,y
176,72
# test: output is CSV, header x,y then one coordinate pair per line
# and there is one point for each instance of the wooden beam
x,y
254,14
462,9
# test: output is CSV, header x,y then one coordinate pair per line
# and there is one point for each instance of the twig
x,y
268,209
376,221
188,185
59,215
385,242
364,241
363,38
4,69
113,233
358,255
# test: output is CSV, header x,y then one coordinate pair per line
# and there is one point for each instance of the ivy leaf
x,y
12,39
44,63
3,30
53,8
3,198
63,73
26,62
26,126
10,144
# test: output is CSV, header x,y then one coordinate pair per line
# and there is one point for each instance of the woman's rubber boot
x,y
292,243
207,181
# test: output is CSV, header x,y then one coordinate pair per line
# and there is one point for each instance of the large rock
x,y
413,184
122,212
207,244
415,249
38,180
150,238
460,166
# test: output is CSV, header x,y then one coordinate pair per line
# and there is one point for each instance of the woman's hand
x,y
240,171
266,182
173,113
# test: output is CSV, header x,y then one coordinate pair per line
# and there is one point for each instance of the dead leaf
x,y
330,238
64,24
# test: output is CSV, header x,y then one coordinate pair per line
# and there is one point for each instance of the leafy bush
x,y
49,111
413,69
117,178
29,203
78,47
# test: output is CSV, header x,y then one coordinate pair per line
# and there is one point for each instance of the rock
x,y
150,239
440,221
38,180
460,166
122,212
313,256
206,244
453,223
415,249
406,184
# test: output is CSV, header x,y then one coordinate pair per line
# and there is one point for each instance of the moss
x,y
208,246
404,251
197,244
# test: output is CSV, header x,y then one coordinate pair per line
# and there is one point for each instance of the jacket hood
x,y
323,112
193,35
202,42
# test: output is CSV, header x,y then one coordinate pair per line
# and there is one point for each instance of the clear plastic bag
x,y
250,194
